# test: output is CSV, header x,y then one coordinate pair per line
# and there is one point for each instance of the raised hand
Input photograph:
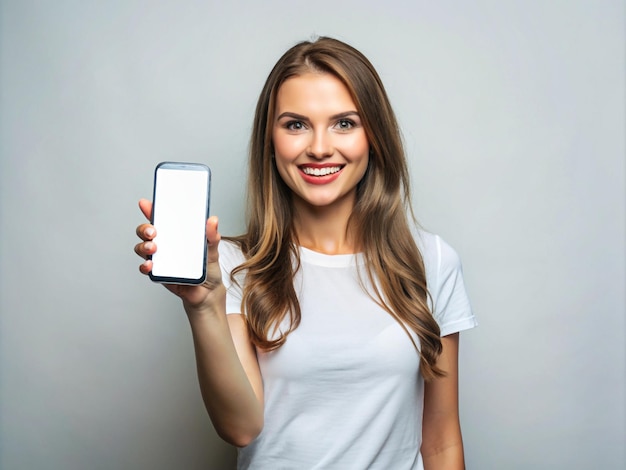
x,y
208,296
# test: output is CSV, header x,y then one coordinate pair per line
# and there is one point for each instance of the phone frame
x,y
181,166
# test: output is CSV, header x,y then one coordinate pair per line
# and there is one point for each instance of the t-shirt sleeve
x,y
230,258
451,306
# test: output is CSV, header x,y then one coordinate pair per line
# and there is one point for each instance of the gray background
x,y
513,115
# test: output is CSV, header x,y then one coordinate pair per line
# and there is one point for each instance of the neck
x,y
325,229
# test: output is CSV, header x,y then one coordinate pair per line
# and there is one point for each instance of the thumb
x,y
213,238
146,208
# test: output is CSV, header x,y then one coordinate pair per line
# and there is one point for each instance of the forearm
x,y
448,458
442,443
234,408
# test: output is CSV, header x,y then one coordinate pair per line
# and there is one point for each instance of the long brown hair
x,y
379,219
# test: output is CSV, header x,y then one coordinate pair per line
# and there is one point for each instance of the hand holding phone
x,y
179,213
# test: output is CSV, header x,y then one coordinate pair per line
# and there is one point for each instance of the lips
x,y
320,174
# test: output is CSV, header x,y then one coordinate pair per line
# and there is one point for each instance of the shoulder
x,y
231,256
438,256
446,286
230,253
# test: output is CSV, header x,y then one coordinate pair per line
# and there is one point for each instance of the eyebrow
x,y
300,117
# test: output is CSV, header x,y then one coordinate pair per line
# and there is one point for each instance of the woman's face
x,y
320,146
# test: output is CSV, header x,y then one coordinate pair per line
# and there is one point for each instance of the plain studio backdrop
x,y
513,116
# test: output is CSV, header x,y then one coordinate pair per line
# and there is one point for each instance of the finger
x,y
146,208
145,249
145,267
146,232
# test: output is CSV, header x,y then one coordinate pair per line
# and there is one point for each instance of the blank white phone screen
x,y
180,212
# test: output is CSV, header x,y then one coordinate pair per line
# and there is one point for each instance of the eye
x,y
345,124
294,125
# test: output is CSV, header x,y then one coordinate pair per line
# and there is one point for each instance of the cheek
x,y
284,160
287,152
355,146
364,167
283,167
286,147
361,156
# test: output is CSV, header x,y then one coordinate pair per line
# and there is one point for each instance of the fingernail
x,y
149,231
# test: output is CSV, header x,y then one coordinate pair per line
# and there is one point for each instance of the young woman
x,y
327,335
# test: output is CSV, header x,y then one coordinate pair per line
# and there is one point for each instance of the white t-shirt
x,y
344,391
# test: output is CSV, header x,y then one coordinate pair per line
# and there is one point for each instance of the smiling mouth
x,y
329,170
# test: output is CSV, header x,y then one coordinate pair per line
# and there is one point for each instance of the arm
x,y
229,376
442,445
228,370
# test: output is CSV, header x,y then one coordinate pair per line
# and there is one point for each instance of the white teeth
x,y
321,171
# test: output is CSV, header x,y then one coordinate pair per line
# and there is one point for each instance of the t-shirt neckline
x,y
331,261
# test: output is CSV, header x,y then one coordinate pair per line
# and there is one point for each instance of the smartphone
x,y
180,208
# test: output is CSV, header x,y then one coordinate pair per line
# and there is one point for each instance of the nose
x,y
321,145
